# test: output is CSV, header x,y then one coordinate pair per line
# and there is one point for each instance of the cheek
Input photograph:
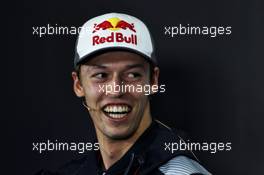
x,y
92,90
139,96
142,89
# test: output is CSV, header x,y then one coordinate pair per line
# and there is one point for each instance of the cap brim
x,y
91,55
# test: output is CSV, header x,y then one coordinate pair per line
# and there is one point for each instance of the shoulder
x,y
182,165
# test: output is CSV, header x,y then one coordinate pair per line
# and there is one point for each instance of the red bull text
x,y
115,37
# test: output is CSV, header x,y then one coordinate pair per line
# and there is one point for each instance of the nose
x,y
115,87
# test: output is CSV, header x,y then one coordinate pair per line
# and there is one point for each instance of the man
x,y
114,57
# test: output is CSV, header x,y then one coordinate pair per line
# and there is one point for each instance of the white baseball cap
x,y
114,31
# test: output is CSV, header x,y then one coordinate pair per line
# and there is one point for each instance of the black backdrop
x,y
214,86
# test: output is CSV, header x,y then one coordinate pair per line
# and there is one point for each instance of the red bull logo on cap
x,y
114,24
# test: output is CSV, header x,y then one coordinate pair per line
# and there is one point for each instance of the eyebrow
x,y
135,66
127,67
98,66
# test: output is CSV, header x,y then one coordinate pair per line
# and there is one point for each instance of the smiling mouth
x,y
117,111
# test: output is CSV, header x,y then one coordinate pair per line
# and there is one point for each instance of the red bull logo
x,y
114,24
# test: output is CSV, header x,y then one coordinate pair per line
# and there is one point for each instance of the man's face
x,y
120,114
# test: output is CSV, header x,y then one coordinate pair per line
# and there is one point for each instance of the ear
x,y
77,85
155,80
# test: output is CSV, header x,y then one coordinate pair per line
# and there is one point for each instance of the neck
x,y
113,150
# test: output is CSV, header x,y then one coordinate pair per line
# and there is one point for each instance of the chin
x,y
120,136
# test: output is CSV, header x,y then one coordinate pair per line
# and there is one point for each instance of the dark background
x,y
214,86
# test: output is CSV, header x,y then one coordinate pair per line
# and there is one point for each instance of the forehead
x,y
117,58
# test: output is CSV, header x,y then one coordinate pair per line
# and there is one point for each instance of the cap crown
x,y
114,31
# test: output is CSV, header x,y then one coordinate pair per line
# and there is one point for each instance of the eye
x,y
100,75
133,75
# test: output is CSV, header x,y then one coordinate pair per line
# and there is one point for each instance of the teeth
x,y
116,115
117,109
